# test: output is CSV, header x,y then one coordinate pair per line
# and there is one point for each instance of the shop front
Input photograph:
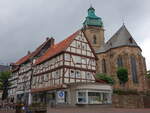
x,y
75,95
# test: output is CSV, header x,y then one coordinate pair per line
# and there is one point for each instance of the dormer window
x,y
131,40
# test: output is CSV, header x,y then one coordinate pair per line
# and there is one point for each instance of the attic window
x,y
131,40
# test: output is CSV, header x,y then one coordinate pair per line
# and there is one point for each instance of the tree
x,y
122,74
106,78
148,74
4,83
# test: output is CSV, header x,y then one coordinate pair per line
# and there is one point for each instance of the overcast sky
x,y
25,24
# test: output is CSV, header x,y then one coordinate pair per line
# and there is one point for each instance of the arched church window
x,y
120,61
94,39
134,69
104,70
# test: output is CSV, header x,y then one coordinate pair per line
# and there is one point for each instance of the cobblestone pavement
x,y
98,110
7,111
90,110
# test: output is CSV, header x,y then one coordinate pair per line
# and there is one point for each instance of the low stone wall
x,y
127,101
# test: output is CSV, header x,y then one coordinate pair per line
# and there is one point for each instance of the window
x,y
104,66
46,77
79,45
88,75
134,69
78,74
67,57
56,73
93,62
72,73
83,46
94,39
98,98
94,98
81,97
119,61
78,60
83,60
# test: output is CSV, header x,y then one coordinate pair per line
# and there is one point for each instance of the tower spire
x,y
92,19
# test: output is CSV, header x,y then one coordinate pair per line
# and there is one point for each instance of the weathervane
x,y
90,1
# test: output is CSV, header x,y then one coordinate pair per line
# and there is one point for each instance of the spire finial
x,y
90,3
123,22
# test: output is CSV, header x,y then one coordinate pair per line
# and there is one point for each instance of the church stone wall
x,y
111,65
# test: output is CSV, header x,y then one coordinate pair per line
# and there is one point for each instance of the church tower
x,y
93,28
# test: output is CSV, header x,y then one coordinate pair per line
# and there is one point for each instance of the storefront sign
x,y
60,96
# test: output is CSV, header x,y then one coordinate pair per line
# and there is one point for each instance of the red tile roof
x,y
27,57
23,59
57,48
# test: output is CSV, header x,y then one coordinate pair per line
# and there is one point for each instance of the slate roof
x,y
121,38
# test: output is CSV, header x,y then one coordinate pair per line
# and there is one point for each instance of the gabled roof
x,y
121,38
57,48
30,55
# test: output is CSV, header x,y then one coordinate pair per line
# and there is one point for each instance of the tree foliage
x,y
148,74
4,83
106,78
122,74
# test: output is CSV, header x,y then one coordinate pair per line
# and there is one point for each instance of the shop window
x,y
94,98
81,97
98,98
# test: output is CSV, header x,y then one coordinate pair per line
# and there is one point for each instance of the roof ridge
x,y
33,53
57,48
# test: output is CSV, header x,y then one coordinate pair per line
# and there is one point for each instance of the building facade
x,y
21,78
121,50
65,72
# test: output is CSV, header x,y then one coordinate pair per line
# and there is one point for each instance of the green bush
x,y
148,74
106,78
122,74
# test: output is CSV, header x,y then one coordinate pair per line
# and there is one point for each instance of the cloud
x,y
146,48
24,24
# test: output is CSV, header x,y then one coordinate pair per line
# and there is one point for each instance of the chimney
x,y
29,52
52,41
47,38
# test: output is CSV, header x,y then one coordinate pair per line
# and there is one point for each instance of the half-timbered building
x,y
66,74
21,78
